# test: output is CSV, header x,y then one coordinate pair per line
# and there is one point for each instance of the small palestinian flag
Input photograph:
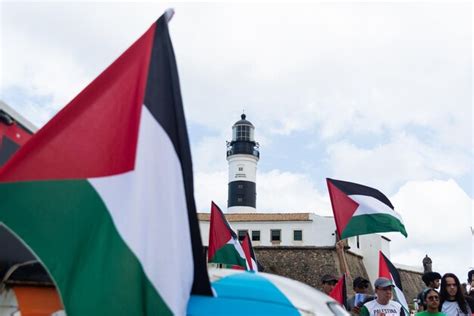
x,y
388,270
360,210
224,246
339,292
249,254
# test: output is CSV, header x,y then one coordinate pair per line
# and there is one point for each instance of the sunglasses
x,y
432,298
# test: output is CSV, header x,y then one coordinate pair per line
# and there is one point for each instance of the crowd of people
x,y
452,299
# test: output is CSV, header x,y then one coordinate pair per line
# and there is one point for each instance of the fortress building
x,y
297,245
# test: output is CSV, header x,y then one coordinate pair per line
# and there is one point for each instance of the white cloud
x,y
401,159
209,154
277,191
283,191
438,218
334,69
41,70
210,187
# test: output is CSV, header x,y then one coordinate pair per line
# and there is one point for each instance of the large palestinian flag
x,y
224,246
360,210
388,270
249,253
103,194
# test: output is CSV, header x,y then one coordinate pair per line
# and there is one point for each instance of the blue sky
x,y
375,93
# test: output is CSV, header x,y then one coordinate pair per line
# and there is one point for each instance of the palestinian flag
x,y
339,292
224,246
103,194
388,270
360,210
249,254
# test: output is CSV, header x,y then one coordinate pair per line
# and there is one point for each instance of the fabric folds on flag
x,y
388,270
103,194
359,210
224,246
339,292
249,253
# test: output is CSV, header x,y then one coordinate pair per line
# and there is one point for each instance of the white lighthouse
x,y
242,155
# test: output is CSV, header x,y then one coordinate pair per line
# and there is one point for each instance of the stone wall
x,y
412,284
308,264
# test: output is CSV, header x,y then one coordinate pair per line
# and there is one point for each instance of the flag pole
x,y
340,249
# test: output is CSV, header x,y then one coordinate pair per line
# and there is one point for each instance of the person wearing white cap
x,y
383,305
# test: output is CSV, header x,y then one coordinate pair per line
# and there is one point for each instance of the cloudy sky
x,y
375,93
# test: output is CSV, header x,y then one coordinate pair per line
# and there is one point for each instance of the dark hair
x,y
469,276
427,291
429,277
360,282
443,293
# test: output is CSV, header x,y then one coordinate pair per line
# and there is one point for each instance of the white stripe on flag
x,y
370,205
148,207
239,249
254,265
401,299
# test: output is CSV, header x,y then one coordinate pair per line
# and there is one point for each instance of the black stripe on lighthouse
x,y
242,193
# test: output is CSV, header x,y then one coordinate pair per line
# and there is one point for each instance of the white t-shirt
x,y
375,309
451,308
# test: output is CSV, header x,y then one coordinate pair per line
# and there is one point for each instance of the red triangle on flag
x,y
384,271
342,205
339,291
219,231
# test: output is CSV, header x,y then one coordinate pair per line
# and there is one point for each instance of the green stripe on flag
x,y
228,255
372,223
70,229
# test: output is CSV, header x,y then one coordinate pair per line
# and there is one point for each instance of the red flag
x,y
359,210
339,292
249,254
389,271
224,247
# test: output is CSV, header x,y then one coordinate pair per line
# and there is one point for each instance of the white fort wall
x,y
316,231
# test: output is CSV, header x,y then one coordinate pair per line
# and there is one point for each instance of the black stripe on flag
x,y
394,272
351,188
252,254
163,100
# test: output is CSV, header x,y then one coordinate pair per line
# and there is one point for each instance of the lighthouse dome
x,y
243,130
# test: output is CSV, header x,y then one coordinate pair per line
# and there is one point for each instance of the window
x,y
275,235
298,235
243,132
255,235
242,233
